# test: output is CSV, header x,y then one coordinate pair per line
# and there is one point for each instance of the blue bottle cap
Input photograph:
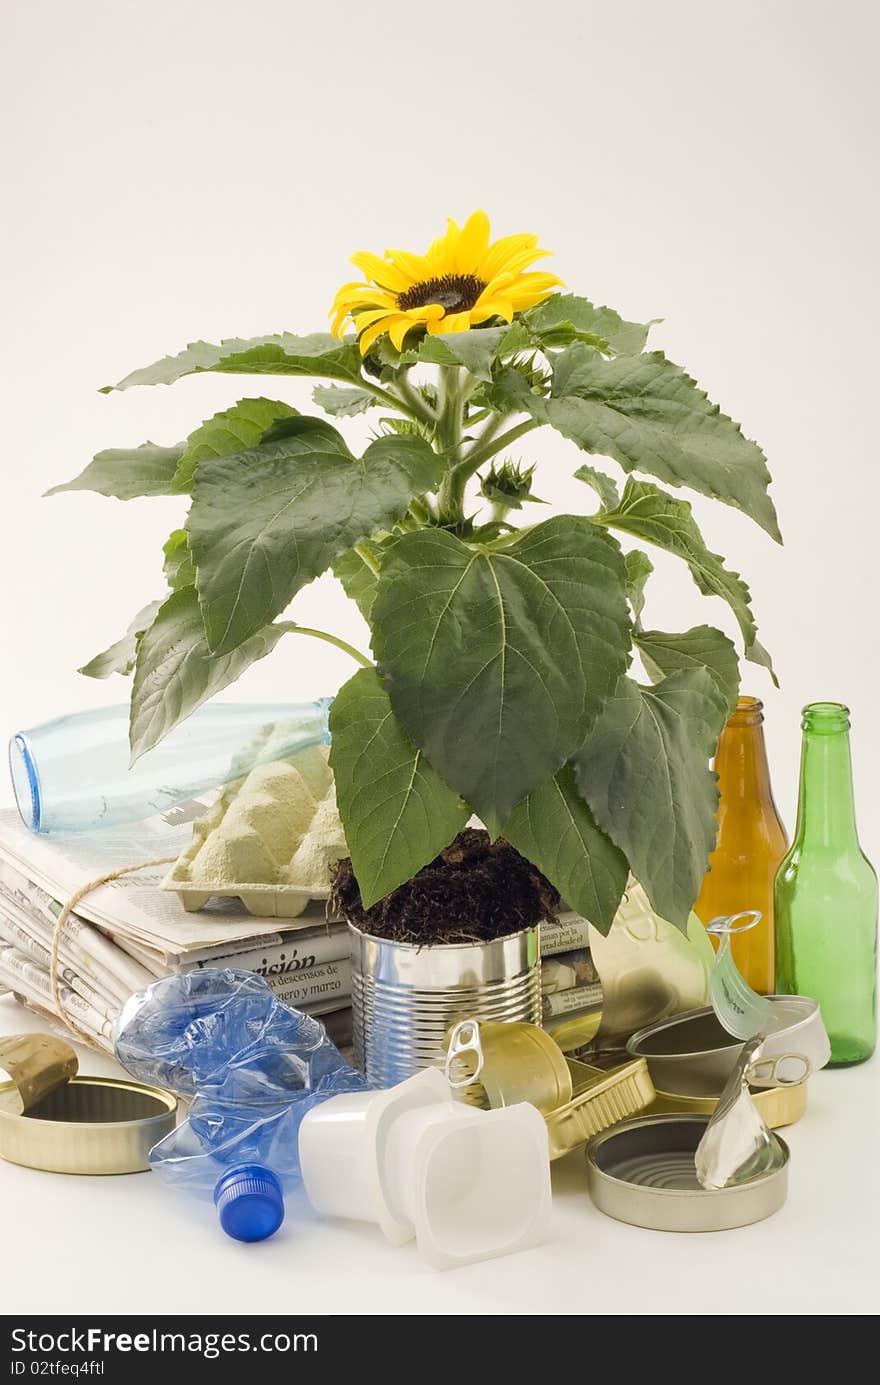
x,y
250,1202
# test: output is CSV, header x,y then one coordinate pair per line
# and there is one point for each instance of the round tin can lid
x,y
94,1125
643,1172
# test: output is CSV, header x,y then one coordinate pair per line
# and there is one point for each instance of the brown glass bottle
x,y
751,843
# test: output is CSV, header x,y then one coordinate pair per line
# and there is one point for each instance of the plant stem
x,y
487,448
414,401
366,557
393,402
347,648
450,498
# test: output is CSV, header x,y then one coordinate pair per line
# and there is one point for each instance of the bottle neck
x,y
826,806
741,760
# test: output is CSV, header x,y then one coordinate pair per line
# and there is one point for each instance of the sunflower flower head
x,y
461,281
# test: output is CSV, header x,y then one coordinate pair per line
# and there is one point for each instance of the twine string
x,y
58,932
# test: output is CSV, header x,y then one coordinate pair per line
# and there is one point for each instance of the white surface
x,y
115,1245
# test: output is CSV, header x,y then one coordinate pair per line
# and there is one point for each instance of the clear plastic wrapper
x,y
252,1066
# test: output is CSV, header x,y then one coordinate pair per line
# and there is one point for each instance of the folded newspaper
x,y
126,933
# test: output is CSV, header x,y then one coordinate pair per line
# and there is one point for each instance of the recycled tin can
x,y
777,1106
96,1125
643,1172
405,997
690,1054
600,1099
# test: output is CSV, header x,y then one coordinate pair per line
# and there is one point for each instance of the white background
x,y
203,169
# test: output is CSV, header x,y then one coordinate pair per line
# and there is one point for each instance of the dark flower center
x,y
454,292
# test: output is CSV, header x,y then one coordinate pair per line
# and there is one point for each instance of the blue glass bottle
x,y
73,774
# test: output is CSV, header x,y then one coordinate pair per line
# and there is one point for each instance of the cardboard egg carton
x,y
272,840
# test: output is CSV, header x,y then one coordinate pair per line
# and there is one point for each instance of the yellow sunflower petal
x,y
528,285
381,271
441,255
501,251
499,282
376,330
493,307
398,330
452,322
473,243
368,317
365,293
416,267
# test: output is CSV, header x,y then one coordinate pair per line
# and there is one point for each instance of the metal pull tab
x,y
783,1070
464,1040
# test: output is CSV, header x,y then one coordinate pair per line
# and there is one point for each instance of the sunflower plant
x,y
501,681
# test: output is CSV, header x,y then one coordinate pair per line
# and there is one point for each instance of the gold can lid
x,y
36,1065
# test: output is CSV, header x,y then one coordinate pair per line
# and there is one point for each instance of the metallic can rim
x,y
89,1146
682,1209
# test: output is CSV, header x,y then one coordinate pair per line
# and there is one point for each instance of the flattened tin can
x,y
643,1172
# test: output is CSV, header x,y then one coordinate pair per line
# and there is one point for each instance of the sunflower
x,y
460,282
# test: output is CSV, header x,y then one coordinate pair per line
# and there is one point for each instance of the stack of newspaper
x,y
570,986
125,934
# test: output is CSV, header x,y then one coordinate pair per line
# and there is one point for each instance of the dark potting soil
x,y
474,891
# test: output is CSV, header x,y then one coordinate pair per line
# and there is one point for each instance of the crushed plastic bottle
x,y
253,1067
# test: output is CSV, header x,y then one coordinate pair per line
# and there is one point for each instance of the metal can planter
x,y
405,997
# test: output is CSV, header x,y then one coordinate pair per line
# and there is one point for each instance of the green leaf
x,y
644,771
702,647
176,672
119,658
178,565
638,569
566,318
265,522
283,354
603,485
357,578
396,810
652,514
233,430
555,830
497,662
125,473
647,414
475,350
343,403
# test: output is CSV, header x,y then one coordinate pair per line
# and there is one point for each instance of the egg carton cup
x,y
272,840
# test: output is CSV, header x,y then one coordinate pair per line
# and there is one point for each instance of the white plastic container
x,y
467,1184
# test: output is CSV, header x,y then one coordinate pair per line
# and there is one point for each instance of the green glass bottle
x,y
826,894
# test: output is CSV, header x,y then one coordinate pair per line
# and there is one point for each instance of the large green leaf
x,y
119,658
702,647
342,403
265,522
233,430
555,830
647,414
566,318
475,350
498,662
358,579
644,771
396,810
603,485
653,515
282,354
638,569
125,473
178,565
176,672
